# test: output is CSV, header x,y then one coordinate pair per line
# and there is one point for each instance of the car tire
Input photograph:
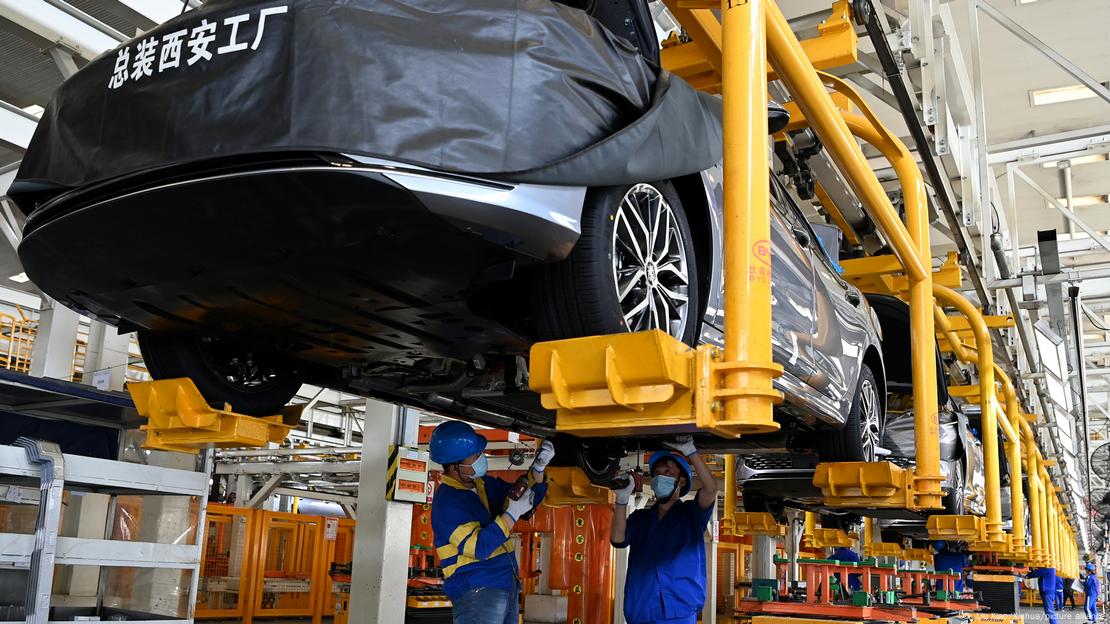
x,y
259,387
862,433
579,295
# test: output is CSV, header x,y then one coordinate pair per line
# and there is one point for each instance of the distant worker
x,y
847,555
472,519
1069,593
666,556
1090,590
1059,593
949,558
1046,585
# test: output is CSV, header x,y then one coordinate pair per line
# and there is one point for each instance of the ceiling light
x,y
1085,200
20,277
1081,160
1026,1
1055,95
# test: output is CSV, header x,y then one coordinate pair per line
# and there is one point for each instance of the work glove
x,y
683,444
521,506
543,456
625,492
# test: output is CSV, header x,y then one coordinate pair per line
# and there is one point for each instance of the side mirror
x,y
777,117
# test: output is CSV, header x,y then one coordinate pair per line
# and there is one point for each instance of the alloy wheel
x,y
650,267
870,420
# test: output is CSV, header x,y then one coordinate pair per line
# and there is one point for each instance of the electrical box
x,y
407,478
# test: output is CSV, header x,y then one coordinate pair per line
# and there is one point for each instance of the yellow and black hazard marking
x,y
391,473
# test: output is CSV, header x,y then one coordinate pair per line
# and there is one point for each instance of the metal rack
x,y
41,552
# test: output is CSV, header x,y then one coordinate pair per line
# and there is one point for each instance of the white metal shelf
x,y
113,476
16,548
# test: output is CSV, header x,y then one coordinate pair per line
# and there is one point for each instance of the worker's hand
x,y
625,492
683,444
522,505
543,456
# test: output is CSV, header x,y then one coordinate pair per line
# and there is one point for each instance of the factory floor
x,y
1034,615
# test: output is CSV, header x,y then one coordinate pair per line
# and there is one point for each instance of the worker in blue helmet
x,y
952,559
666,556
1090,592
1046,585
472,518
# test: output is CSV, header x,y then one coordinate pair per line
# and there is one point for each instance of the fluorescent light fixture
x,y
1085,200
1081,160
1056,95
1026,1
20,277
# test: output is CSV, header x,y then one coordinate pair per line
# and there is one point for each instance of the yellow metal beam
x,y
985,362
699,61
910,241
748,366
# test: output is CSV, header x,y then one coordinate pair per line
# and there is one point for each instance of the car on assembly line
x,y
267,216
773,481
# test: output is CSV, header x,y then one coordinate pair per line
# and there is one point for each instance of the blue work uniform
x,y
955,561
1090,591
666,563
472,537
855,581
1046,582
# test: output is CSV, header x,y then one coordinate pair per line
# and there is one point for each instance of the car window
x,y
795,219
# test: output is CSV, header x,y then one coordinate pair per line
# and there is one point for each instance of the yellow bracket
x,y
884,549
958,528
756,523
865,484
884,274
923,555
830,538
179,419
570,486
645,383
970,393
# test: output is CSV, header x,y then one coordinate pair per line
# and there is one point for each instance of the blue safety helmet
x,y
454,441
678,459
1090,567
939,545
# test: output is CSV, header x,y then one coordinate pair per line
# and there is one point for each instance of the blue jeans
x,y
1092,608
486,605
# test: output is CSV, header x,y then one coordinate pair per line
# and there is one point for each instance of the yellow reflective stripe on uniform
x,y
505,526
448,481
458,536
480,486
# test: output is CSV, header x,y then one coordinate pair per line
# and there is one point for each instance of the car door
x,y
840,331
792,293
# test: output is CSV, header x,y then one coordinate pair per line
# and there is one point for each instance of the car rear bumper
x,y
340,261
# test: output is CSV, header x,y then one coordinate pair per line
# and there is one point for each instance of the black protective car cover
x,y
522,90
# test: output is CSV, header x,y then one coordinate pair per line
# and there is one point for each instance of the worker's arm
x,y
475,536
707,485
618,530
707,492
544,455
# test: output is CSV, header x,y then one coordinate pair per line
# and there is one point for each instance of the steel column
x,y
378,579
